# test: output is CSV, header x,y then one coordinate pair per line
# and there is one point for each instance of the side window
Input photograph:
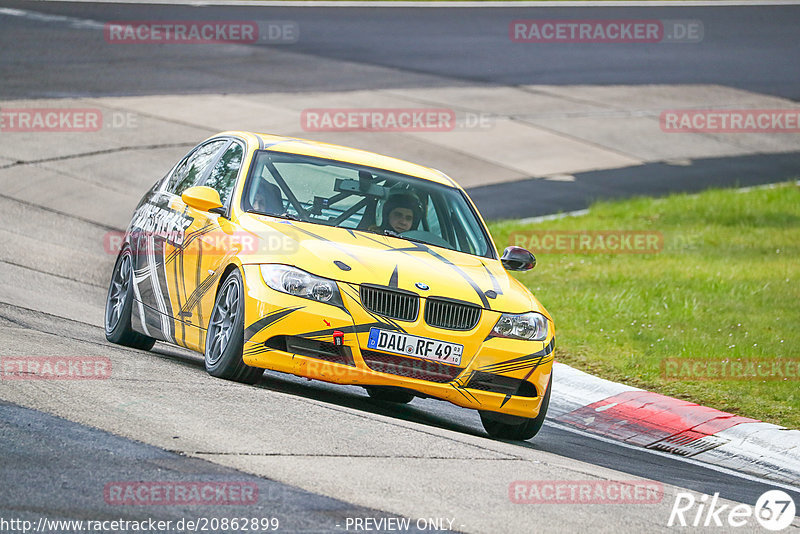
x,y
191,170
223,175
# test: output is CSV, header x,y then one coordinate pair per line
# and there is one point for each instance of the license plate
x,y
419,347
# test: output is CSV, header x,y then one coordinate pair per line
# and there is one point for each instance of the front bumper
x,y
277,325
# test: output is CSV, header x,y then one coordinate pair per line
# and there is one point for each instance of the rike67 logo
x,y
774,511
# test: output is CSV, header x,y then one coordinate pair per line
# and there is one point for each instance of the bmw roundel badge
x,y
421,286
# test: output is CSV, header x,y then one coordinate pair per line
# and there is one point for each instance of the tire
x,y
389,394
119,303
500,426
225,335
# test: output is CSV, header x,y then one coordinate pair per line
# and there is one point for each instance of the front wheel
x,y
119,303
225,336
501,426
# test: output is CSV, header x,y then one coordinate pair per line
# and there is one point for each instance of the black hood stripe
x,y
420,247
495,283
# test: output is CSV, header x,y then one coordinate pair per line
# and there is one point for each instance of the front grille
x,y
501,384
321,350
409,367
451,315
400,305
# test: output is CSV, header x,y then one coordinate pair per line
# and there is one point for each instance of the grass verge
x,y
723,288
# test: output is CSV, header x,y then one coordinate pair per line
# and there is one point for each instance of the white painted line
x,y
765,186
712,467
44,17
579,213
460,4
553,217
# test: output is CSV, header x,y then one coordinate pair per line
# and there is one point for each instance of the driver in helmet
x,y
401,212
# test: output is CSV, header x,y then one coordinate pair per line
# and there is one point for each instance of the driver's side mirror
x,y
203,198
517,259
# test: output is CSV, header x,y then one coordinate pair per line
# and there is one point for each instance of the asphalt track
x,y
753,48
54,54
320,453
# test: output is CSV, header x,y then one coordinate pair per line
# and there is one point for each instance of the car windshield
x,y
350,196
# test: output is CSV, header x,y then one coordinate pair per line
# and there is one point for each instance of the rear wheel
x,y
390,394
119,303
503,426
225,336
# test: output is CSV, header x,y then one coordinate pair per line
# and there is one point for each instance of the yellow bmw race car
x,y
335,264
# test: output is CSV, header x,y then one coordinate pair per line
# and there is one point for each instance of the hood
x,y
360,257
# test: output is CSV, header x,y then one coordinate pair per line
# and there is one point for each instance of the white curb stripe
x,y
762,451
712,467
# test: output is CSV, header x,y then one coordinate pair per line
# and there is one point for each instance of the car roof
x,y
306,147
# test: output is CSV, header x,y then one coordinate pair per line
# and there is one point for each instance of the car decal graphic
x,y
267,320
466,394
144,289
153,264
198,276
190,238
347,354
495,284
523,362
326,240
137,297
181,313
394,278
194,299
154,220
459,385
153,226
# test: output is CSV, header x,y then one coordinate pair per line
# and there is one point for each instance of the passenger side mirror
x,y
517,259
203,198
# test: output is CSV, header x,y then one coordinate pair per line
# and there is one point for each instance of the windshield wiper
x,y
284,215
392,233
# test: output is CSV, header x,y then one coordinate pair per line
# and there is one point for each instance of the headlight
x,y
531,326
301,284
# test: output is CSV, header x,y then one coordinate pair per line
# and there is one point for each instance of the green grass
x,y
725,286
